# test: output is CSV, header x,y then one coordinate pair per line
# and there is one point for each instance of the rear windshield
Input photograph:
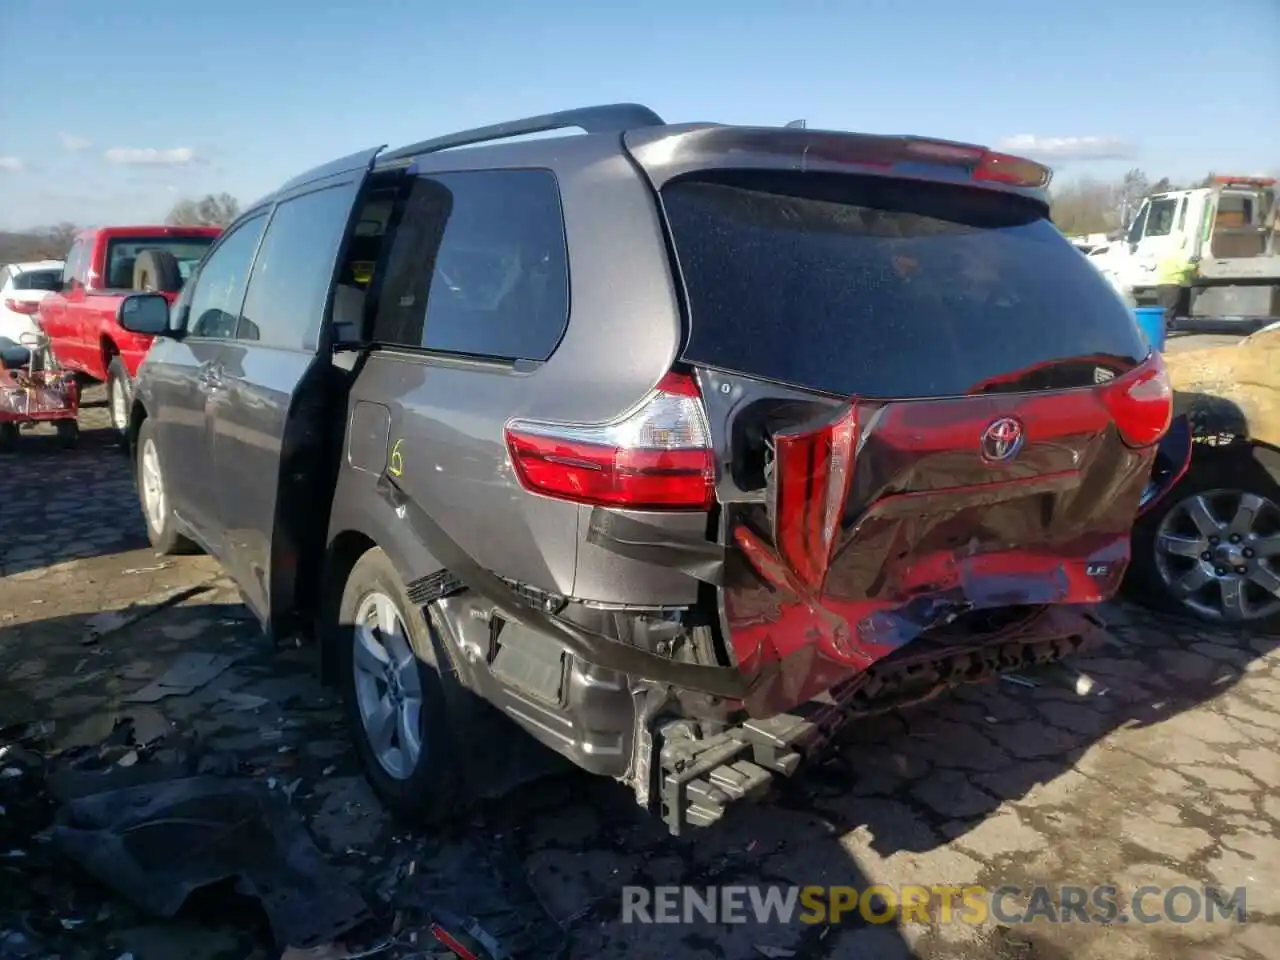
x,y
122,255
38,280
882,289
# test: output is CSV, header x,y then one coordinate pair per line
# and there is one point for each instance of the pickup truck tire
x,y
1215,487
156,271
387,665
153,494
119,395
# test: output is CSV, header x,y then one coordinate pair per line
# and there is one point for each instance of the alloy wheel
x,y
1218,554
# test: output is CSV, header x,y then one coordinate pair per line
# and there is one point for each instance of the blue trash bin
x,y
1151,323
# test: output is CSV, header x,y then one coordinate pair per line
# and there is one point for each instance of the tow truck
x,y
1227,234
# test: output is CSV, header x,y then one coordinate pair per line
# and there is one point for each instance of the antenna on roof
x,y
797,124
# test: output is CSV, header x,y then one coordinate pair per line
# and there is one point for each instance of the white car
x,y
22,287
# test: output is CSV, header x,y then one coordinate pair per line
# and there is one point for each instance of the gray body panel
x,y
449,413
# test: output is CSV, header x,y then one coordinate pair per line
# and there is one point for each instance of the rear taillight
x,y
1141,403
984,165
658,457
22,306
1015,171
812,472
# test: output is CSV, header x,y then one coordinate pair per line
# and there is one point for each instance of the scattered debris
x,y
158,843
189,672
1018,680
130,571
244,701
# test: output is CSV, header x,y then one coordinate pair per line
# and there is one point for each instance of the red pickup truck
x,y
104,265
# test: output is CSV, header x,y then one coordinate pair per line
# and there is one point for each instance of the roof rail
x,y
606,118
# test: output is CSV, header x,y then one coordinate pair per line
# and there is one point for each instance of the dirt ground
x,y
1170,777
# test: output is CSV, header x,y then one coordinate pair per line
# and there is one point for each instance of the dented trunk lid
x,y
906,383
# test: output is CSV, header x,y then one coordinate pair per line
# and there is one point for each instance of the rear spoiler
x,y
671,151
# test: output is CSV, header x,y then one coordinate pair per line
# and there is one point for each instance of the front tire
x,y
1211,548
153,494
395,697
119,395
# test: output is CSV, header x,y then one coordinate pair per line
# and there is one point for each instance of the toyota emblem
x,y
1002,440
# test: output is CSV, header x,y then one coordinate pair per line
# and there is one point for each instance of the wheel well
x,y
346,548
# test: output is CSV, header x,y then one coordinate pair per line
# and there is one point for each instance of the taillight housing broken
x,y
1141,403
657,457
812,472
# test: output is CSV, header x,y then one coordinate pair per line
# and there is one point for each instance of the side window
x,y
72,268
1182,214
1160,217
1139,221
215,302
294,268
478,266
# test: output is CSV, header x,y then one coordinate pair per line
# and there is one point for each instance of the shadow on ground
x,y
56,505
922,796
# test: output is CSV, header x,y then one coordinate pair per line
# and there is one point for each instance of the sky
x,y
112,111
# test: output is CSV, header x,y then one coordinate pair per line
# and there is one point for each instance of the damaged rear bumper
x,y
691,738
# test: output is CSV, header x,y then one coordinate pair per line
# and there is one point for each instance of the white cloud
x,y
1067,148
11,164
151,156
73,143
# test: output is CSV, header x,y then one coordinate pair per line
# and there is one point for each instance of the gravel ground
x,y
1169,778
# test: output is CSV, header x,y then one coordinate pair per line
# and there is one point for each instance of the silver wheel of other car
x,y
154,502
1218,553
388,686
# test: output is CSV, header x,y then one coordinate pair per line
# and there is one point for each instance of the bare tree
x,y
1133,188
210,210
42,243
1085,206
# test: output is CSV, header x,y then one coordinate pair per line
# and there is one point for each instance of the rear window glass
x,y
122,256
878,288
38,280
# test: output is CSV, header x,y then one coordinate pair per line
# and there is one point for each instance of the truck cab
x,y
103,265
1219,241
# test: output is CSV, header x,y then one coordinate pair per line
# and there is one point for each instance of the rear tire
x,y
387,666
153,494
119,395
8,437
156,271
1221,481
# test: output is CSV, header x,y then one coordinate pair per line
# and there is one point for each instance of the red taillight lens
x,y
22,306
1141,403
812,471
1015,171
658,457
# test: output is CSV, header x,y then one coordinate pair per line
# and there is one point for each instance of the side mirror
x,y
145,313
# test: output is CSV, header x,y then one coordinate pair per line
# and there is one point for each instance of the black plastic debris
x,y
477,892
155,844
190,672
